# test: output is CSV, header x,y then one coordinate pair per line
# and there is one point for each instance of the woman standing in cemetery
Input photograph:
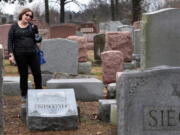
x,y
22,49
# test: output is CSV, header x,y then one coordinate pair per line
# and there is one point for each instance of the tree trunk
x,y
46,3
136,10
112,10
62,12
116,9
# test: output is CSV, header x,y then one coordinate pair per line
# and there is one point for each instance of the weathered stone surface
x,y
86,89
1,91
99,45
53,109
112,62
161,41
120,41
111,88
11,86
61,55
84,67
105,109
113,114
83,57
148,102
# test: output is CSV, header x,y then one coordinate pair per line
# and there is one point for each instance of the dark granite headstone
x,y
99,44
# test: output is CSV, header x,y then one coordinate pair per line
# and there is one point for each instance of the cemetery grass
x,y
89,122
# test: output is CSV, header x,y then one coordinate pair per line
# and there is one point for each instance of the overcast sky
x,y
10,9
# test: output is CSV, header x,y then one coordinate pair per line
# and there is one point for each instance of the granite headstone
x,y
99,45
161,38
149,102
52,109
61,55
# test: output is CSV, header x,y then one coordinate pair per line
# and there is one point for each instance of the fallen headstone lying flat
x,y
52,109
86,89
11,85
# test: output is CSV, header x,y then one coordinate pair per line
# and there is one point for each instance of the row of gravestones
x,y
100,41
148,100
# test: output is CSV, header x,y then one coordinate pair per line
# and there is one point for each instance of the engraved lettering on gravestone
x,y
51,104
161,118
87,29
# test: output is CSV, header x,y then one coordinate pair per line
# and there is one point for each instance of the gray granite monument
x,y
149,102
161,38
61,55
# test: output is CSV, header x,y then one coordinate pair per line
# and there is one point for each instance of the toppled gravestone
x,y
86,89
52,109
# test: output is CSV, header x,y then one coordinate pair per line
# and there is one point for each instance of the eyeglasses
x,y
28,15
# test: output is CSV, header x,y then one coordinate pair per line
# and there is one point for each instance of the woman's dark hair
x,y
25,10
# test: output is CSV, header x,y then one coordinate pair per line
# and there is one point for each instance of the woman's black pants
x,y
23,61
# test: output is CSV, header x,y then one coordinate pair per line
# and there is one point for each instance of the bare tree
x,y
112,10
116,9
62,4
136,10
46,3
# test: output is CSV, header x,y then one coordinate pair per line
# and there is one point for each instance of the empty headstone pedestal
x,y
52,109
86,89
11,85
149,102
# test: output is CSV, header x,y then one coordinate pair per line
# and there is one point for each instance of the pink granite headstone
x,y
112,62
120,41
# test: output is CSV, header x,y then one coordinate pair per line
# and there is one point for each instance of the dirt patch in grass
x,y
89,125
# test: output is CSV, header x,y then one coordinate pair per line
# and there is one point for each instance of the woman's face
x,y
27,17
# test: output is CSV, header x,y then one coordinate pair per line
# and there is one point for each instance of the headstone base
x,y
49,123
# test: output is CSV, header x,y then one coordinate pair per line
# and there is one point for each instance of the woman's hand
x,y
12,59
